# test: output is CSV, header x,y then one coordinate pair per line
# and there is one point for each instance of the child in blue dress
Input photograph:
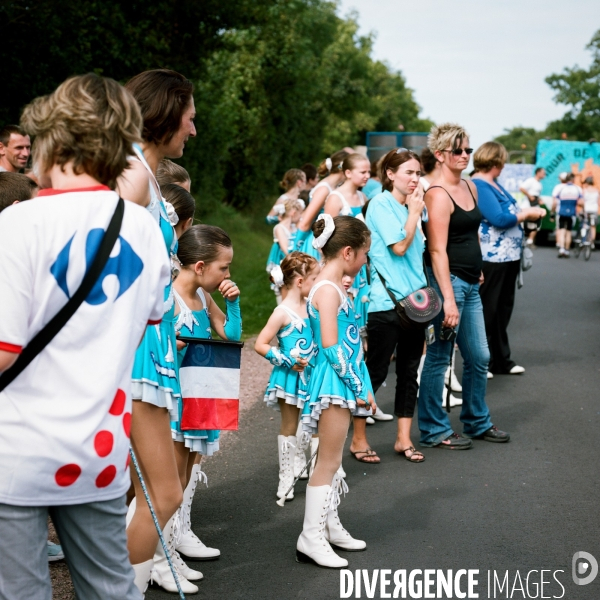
x,y
287,387
205,253
339,386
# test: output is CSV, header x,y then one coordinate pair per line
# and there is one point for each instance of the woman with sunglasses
x,y
453,257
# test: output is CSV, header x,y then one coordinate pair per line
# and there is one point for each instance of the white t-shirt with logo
x,y
532,186
590,197
64,421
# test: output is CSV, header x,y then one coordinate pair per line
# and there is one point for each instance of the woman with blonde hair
x,y
501,236
453,257
293,182
67,416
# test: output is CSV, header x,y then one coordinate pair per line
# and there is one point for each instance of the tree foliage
x,y
278,82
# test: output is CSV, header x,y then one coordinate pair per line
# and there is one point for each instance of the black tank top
x,y
463,249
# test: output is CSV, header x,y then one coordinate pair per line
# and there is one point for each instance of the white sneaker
x,y
370,421
490,375
381,416
517,370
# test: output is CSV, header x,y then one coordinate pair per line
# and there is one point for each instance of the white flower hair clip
x,y
277,276
320,241
173,217
279,209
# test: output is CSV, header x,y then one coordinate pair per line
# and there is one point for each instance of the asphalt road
x,y
522,506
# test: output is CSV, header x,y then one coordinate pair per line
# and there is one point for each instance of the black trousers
x,y
385,334
498,299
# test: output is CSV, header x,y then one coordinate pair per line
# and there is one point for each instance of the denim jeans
x,y
434,423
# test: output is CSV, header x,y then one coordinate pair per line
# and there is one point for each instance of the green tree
x,y
520,142
580,89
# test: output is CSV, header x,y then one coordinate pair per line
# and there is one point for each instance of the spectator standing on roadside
x,y
566,197
532,188
454,258
501,237
590,206
15,148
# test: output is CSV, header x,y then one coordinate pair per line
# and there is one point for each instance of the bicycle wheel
x,y
587,252
577,249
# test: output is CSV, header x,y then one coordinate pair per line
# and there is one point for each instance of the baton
x,y
281,501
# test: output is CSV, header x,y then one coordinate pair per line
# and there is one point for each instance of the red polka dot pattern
x,y
103,443
127,423
67,475
106,477
118,405
127,461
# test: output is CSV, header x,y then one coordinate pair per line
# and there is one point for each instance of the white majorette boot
x,y
312,545
454,401
451,379
142,574
287,446
161,573
303,440
314,444
189,544
420,369
335,533
381,416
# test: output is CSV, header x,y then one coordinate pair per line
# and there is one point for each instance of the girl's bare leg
x,y
153,447
289,418
333,429
182,456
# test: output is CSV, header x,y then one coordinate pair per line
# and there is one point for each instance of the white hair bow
x,y
277,275
320,241
328,163
173,217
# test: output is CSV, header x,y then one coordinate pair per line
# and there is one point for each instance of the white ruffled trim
x,y
202,446
310,422
151,393
273,394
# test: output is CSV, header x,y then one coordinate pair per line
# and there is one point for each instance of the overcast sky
x,y
481,63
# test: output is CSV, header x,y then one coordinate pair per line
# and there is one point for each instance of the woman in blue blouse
x,y
501,236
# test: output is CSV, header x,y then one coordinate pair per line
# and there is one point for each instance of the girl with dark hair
x,y
287,387
396,259
183,204
339,386
330,171
205,253
167,106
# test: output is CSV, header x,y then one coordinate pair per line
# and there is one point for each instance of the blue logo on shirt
x,y
127,266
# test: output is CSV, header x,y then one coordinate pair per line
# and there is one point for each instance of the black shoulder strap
x,y
45,336
470,191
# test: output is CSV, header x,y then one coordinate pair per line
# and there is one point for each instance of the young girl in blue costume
x,y
339,386
284,232
287,387
166,101
294,181
330,170
349,200
205,253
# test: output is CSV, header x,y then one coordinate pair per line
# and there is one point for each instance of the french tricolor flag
x,y
210,384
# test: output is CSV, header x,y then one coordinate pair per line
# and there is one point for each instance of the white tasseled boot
x,y
314,444
130,513
287,446
142,574
303,440
335,533
189,544
161,573
312,545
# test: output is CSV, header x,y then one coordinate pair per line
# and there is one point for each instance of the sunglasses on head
x,y
459,151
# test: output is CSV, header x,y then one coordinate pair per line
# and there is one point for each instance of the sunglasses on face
x,y
459,151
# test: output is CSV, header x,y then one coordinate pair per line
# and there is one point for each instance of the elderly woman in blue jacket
x,y
501,236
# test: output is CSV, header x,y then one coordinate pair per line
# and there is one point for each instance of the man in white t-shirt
x,y
65,419
532,188
567,197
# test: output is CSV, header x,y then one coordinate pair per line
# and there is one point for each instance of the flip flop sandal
x,y
413,453
367,452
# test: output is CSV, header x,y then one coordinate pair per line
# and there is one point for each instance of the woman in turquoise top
x,y
330,171
288,384
396,257
339,386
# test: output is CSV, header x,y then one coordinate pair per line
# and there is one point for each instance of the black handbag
x,y
49,331
418,309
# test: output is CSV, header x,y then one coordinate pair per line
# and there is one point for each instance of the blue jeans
x,y
472,342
